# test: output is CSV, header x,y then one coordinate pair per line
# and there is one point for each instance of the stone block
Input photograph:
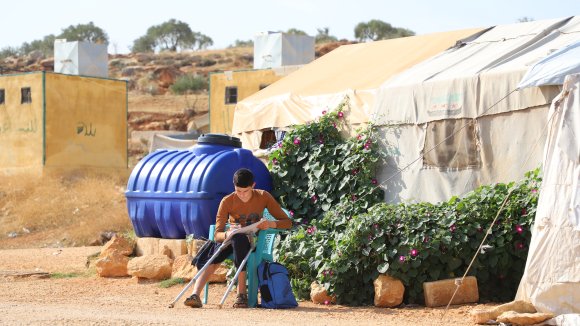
x,y
439,293
178,247
147,246
389,291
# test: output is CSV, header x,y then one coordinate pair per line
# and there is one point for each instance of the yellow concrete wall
x,y
86,122
221,116
21,124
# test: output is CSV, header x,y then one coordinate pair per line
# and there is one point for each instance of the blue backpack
x,y
275,288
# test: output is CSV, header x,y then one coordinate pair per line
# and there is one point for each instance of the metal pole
x,y
223,246
236,276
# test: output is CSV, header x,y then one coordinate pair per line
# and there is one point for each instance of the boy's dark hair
x,y
243,178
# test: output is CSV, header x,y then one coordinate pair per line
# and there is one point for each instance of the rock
x,y
319,295
167,252
147,246
524,318
114,264
482,316
439,293
119,244
155,267
193,246
389,291
165,76
182,267
219,276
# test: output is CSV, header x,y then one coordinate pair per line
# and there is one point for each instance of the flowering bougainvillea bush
x,y
315,168
417,243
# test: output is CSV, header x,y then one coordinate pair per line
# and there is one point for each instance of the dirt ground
x,y
86,299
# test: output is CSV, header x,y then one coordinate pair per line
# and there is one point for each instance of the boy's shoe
x,y
193,301
241,301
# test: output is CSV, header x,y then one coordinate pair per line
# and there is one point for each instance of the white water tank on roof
x,y
276,49
81,58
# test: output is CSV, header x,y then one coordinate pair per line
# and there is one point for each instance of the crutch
x,y
222,247
237,275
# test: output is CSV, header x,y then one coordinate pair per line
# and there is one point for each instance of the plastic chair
x,y
263,252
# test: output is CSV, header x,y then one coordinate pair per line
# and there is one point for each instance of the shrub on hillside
x,y
189,83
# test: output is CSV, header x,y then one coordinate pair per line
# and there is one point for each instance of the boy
x,y
241,208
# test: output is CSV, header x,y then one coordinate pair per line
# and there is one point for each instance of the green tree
x,y
8,52
85,32
172,35
324,36
295,31
242,44
143,44
46,46
376,30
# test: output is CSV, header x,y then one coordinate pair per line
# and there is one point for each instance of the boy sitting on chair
x,y
241,208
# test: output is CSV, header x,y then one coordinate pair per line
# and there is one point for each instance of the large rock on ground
x,y
120,244
482,316
182,267
389,291
523,318
155,267
439,293
319,295
114,264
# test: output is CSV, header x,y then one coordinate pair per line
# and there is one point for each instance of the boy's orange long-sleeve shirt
x,y
233,210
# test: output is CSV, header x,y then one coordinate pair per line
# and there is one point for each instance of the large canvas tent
x,y
551,280
355,70
458,121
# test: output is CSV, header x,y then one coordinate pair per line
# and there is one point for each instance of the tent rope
x,y
458,283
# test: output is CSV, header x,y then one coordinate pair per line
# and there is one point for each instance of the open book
x,y
249,229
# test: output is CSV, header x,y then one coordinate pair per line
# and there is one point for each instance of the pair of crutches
x,y
213,257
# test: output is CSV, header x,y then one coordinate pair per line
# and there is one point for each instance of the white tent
x,y
355,70
457,121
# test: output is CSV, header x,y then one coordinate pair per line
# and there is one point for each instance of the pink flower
x,y
296,141
524,211
326,302
426,239
314,198
519,229
274,161
374,181
340,114
414,252
402,259
452,228
354,197
355,171
359,137
324,112
291,213
534,191
376,226
367,146
370,237
280,145
334,124
321,141
519,245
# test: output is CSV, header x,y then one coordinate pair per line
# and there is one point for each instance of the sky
x,y
226,21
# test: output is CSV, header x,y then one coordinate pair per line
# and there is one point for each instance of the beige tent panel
x,y
356,70
21,123
504,142
551,280
85,121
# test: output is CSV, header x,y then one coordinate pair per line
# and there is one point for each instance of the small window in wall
x,y
2,96
231,95
262,86
25,95
455,143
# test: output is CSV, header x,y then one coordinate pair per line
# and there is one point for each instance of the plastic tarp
x,y
473,83
551,280
355,70
554,68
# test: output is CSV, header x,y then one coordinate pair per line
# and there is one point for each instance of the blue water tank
x,y
173,193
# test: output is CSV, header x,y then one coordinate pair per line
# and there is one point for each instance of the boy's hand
x,y
266,224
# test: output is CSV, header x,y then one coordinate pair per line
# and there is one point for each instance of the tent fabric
x,y
551,280
554,68
477,81
464,82
355,70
